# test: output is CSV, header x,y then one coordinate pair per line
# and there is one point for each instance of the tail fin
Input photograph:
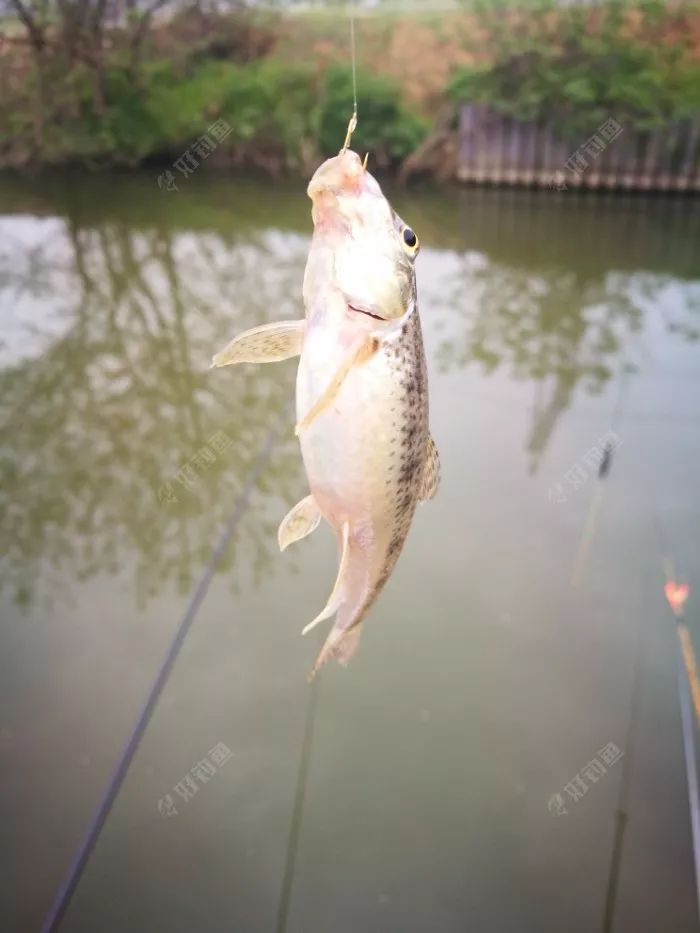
x,y
347,646
349,599
340,645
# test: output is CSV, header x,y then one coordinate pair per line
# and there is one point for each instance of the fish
x,y
361,390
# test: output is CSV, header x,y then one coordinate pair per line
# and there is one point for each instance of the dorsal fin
x,y
431,472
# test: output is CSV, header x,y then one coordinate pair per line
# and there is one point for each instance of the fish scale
x,y
365,458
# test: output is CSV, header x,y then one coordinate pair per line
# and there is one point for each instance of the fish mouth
x,y
343,174
366,312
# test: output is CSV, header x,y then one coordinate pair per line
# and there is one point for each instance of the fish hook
x,y
352,125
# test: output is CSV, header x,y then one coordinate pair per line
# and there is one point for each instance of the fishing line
x,y
64,894
353,119
298,808
621,815
312,704
354,65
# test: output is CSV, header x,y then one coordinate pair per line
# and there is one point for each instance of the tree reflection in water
x,y
561,304
98,419
119,298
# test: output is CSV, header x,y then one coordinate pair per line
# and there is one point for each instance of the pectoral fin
x,y
336,596
298,522
359,354
431,472
268,343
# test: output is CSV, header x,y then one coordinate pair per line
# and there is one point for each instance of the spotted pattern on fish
x,y
361,392
412,436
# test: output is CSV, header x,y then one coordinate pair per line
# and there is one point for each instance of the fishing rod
x,y
688,686
688,695
688,728
67,888
313,699
586,539
298,808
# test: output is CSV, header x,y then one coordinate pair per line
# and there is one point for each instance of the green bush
x,y
385,128
159,116
272,110
280,118
580,73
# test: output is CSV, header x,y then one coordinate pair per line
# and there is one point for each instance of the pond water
x,y
447,779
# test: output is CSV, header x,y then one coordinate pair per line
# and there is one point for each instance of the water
x,y
499,661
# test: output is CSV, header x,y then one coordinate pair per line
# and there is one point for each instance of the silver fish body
x,y
365,459
362,390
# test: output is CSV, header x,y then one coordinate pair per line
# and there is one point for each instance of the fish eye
x,y
410,241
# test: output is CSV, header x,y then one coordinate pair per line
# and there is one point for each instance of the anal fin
x,y
268,343
336,596
299,522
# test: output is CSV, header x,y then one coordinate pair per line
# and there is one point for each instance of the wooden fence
x,y
500,150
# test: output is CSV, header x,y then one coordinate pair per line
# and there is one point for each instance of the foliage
x,y
127,90
577,67
281,116
269,109
386,127
272,109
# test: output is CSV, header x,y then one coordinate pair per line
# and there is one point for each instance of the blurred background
x,y
104,83
514,747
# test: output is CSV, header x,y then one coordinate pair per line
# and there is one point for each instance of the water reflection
x,y
108,398
118,295
554,303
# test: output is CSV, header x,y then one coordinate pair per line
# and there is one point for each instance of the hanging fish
x,y
362,391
